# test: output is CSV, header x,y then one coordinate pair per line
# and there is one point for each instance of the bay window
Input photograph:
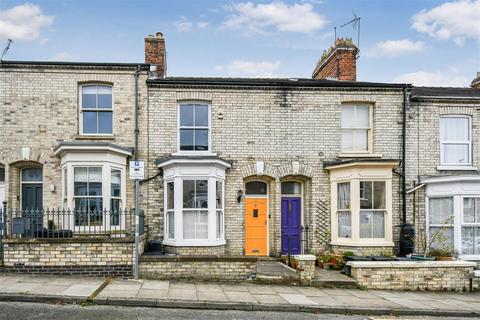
x,y
361,203
455,141
453,214
194,201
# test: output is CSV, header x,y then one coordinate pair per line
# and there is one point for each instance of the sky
x,y
424,42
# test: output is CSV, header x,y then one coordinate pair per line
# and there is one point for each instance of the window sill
x,y
194,243
194,153
359,155
372,243
457,168
95,137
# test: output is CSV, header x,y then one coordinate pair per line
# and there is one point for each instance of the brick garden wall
x,y
197,268
89,256
431,276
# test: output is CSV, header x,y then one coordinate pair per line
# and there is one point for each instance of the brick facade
x,y
248,125
338,62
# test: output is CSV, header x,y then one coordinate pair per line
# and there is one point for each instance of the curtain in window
x,y
344,224
343,196
440,210
471,240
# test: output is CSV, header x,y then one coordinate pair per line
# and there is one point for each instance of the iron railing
x,y
305,239
66,223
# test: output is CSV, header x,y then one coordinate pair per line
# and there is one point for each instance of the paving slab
x,y
208,287
152,294
411,304
240,296
182,285
296,298
270,299
213,295
155,284
109,293
182,294
235,287
261,289
79,290
284,289
21,287
311,292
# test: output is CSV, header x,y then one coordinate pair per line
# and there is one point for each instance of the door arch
x,y
256,218
291,217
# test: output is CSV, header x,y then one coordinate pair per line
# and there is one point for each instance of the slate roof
x,y
445,93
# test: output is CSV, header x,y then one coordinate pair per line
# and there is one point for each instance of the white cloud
x,y
243,68
62,56
394,48
183,25
259,18
23,23
202,24
456,20
451,78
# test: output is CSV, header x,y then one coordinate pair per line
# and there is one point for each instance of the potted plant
x,y
444,254
323,260
293,263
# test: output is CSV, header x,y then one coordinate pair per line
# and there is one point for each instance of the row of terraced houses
x,y
234,167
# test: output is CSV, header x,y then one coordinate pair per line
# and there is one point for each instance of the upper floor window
x,y
356,128
96,109
455,140
194,130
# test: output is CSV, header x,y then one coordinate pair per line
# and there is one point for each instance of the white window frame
x,y
369,130
106,195
209,128
467,224
2,188
81,109
354,173
464,142
178,240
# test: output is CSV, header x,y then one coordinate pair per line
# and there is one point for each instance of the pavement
x,y
234,296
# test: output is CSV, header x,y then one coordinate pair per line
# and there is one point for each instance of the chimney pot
x,y
338,62
155,55
476,82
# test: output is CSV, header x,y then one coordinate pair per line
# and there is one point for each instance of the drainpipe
x,y
407,231
137,184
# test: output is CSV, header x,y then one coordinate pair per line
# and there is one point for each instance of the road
x,y
34,311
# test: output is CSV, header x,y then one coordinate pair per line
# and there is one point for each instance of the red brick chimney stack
x,y
476,82
338,62
155,54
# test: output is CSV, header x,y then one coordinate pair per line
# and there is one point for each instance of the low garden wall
x,y
412,275
94,256
201,268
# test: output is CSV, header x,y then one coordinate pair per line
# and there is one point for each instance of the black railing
x,y
305,239
66,223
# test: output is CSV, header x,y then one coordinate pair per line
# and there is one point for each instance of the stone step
x,y
274,272
332,279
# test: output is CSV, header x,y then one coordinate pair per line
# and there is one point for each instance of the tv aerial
x,y
355,22
6,49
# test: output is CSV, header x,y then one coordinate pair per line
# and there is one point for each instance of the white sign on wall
x,y
137,170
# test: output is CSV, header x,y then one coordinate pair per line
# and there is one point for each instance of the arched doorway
x,y
256,218
291,217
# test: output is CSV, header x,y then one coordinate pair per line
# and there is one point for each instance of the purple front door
x,y
291,222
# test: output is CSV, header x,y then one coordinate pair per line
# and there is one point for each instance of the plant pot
x,y
419,257
444,258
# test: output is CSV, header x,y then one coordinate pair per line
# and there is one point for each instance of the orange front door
x,y
255,227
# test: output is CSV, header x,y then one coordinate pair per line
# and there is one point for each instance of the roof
x,y
65,146
273,82
70,64
337,163
444,93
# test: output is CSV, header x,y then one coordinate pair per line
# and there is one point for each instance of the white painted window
x,y
96,110
372,209
219,203
441,222
455,140
470,229
170,216
356,128
344,210
195,209
194,127
87,196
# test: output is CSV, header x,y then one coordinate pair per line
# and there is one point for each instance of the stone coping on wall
x,y
202,258
90,239
411,264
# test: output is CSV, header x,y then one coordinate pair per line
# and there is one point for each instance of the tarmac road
x,y
34,311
